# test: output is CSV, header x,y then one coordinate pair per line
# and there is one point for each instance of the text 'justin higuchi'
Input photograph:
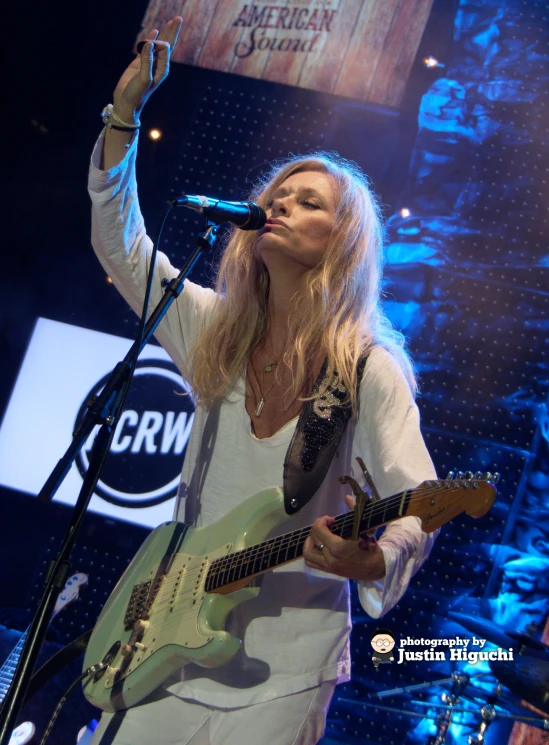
x,y
458,650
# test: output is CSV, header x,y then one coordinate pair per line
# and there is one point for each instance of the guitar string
x,y
223,565
7,671
244,556
230,569
343,522
250,555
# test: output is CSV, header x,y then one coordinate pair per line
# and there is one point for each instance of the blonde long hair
x,y
339,311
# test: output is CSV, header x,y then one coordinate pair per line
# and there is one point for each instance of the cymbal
x,y
503,700
483,628
528,641
526,677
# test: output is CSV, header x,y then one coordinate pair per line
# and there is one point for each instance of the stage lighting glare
x,y
108,280
405,212
155,134
431,62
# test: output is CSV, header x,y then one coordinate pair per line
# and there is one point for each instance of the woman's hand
x,y
143,76
361,560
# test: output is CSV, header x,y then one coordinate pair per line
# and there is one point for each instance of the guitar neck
x,y
433,502
68,595
7,671
289,546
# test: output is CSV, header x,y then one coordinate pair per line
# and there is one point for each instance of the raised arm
x,y
140,79
118,231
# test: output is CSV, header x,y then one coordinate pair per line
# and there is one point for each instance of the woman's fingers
x,y
154,63
148,69
147,61
155,58
350,501
151,36
170,31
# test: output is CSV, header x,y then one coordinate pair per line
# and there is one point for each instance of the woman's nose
x,y
279,207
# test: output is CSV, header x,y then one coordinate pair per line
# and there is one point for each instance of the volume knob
x,y
126,650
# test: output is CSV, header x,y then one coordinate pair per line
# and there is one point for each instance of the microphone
x,y
245,215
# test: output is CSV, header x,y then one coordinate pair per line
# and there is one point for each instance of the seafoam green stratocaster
x,y
170,606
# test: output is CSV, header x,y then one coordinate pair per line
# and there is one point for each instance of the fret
x,y
224,572
253,560
286,553
272,561
401,506
289,546
7,671
290,552
240,568
265,559
259,564
370,511
232,571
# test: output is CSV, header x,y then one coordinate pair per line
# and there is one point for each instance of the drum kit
x,y
475,707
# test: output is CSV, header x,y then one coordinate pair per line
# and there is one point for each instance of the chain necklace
x,y
266,368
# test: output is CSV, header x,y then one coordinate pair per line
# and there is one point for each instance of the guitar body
x,y
170,606
184,623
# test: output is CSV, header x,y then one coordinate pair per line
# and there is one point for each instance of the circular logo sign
x,y
144,465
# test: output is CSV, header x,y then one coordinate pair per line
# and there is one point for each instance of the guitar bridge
x,y
141,600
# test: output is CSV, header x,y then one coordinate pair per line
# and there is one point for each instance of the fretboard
x,y
7,671
289,546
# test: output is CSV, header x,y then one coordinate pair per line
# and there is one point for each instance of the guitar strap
x,y
317,434
55,664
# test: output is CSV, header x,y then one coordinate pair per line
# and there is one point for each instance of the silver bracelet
x,y
109,115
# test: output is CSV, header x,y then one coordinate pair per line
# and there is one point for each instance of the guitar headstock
x,y
438,501
71,591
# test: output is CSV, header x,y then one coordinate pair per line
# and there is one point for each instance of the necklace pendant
x,y
260,406
268,368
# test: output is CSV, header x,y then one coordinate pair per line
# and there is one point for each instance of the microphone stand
x,y
104,409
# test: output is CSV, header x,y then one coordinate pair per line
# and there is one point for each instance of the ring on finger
x,y
320,547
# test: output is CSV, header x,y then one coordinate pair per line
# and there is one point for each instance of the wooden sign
x,y
363,49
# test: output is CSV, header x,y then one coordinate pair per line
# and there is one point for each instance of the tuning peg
x,y
478,474
469,475
451,475
487,476
496,477
460,475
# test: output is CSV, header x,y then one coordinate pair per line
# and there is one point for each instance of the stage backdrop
x,y
358,48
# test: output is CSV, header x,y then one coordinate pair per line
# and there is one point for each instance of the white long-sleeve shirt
x,y
295,633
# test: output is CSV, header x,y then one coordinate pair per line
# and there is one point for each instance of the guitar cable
x,y
60,705
90,672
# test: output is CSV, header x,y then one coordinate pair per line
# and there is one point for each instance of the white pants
x,y
164,719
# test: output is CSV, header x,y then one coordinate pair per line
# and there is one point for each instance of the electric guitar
x,y
24,733
170,606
